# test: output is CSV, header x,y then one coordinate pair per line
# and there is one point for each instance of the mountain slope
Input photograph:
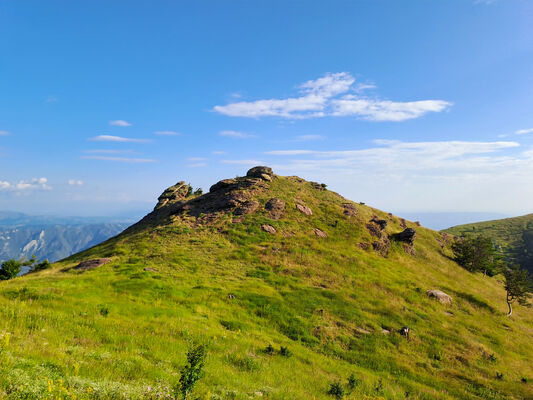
x,y
513,235
237,270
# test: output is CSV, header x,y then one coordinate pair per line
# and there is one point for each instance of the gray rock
x,y
247,208
304,209
320,233
91,264
261,172
276,208
440,296
268,228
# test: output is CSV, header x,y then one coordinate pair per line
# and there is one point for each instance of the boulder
x,y
224,184
268,228
304,209
382,246
379,222
276,208
407,236
440,296
247,208
318,186
91,264
261,172
320,233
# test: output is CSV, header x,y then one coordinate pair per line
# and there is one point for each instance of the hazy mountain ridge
x,y
51,238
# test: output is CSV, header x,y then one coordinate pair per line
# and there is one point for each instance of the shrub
x,y
336,390
10,269
191,373
285,352
352,381
269,349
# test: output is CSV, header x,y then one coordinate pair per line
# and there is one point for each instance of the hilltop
x,y
264,260
514,236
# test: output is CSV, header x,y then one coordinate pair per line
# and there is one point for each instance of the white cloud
x,y
235,134
108,151
444,175
20,186
524,131
196,159
218,152
75,182
119,122
243,162
109,138
320,98
167,133
4,133
120,159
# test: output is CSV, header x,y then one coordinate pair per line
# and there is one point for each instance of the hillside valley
x,y
513,236
293,289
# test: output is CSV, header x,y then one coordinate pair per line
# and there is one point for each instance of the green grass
x,y
120,332
514,236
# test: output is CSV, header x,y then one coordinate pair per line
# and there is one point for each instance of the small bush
x,y
499,376
336,390
10,269
104,311
523,379
270,349
285,352
353,382
191,373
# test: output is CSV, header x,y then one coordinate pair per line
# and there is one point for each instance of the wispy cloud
x,y
167,133
309,138
218,152
51,99
75,182
4,133
330,96
242,162
25,185
524,131
196,159
121,139
236,135
119,122
120,159
108,151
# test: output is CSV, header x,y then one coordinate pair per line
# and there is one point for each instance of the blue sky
x,y
405,105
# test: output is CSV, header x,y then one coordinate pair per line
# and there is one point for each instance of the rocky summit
x,y
290,291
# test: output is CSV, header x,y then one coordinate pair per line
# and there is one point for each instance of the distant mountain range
x,y
52,238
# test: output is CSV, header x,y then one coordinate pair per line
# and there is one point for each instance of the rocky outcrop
x,y
175,193
440,296
264,173
92,264
382,246
275,208
318,186
379,222
247,207
350,210
406,236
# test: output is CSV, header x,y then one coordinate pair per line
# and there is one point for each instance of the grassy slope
x,y
514,235
291,289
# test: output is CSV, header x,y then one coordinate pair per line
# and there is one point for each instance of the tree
x,y
10,269
518,286
477,254
192,371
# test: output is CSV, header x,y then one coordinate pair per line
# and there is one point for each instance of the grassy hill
x,y
513,235
328,286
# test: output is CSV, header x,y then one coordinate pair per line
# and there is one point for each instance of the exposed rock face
x,y
320,233
379,222
261,172
407,236
350,209
304,209
268,228
318,186
247,208
173,194
276,208
440,296
91,264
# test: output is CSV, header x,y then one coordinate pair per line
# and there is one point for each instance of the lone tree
x,y
10,269
477,254
518,286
